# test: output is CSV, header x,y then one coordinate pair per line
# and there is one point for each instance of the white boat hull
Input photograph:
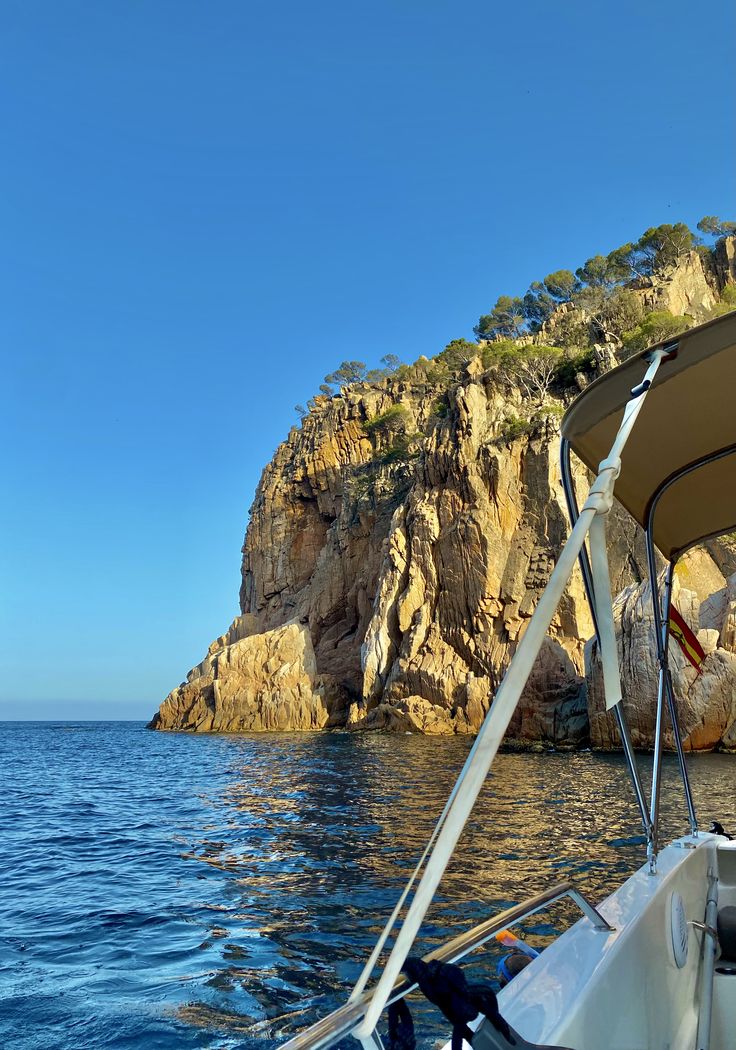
x,y
623,990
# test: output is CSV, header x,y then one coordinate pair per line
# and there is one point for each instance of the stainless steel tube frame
x,y
623,728
661,630
662,647
729,450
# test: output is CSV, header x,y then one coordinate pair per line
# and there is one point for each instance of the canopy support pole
x,y
585,568
662,648
712,457
691,815
664,685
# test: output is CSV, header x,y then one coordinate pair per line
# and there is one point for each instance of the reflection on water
x,y
179,891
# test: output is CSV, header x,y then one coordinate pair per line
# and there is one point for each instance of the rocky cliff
x,y
706,698
397,545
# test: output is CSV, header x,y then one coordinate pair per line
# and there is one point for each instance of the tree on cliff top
x,y
348,372
391,362
715,227
561,285
457,354
663,246
543,297
613,311
604,271
506,319
658,249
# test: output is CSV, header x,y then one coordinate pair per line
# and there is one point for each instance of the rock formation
x,y
412,580
254,683
397,546
705,699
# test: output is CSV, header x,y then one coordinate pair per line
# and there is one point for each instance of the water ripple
x,y
167,891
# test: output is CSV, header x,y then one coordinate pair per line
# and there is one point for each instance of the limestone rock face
x,y
686,290
706,701
411,714
313,548
251,684
466,557
416,578
413,578
725,260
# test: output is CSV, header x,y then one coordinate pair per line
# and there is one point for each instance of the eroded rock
x,y
705,700
256,683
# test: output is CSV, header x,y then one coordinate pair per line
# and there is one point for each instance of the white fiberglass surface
x,y
723,1029
621,990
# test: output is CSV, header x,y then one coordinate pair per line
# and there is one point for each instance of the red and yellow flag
x,y
685,638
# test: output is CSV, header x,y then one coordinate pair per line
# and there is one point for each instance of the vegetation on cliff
x,y
544,340
548,343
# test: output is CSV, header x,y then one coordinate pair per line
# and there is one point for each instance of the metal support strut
x,y
623,727
664,691
662,649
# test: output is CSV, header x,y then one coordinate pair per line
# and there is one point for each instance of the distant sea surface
x,y
174,891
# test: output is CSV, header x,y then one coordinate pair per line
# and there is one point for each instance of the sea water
x,y
172,891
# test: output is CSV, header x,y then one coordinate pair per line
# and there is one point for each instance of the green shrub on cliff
x,y
391,421
727,303
440,408
495,354
572,365
399,451
656,326
512,427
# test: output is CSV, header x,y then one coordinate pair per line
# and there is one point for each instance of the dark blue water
x,y
164,890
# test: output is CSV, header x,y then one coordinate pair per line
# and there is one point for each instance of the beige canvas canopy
x,y
681,455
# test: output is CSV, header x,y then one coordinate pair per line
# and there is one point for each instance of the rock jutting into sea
x,y
397,545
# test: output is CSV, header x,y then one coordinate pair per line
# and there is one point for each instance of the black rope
x,y
445,985
400,1027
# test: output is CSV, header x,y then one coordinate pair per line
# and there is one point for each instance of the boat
x,y
652,967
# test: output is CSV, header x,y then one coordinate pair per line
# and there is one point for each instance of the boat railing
x,y
345,1019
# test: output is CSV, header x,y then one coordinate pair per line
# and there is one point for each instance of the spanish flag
x,y
685,638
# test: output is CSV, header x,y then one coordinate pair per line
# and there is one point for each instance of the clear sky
x,y
207,206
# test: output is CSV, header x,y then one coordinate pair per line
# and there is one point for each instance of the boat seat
x,y
727,932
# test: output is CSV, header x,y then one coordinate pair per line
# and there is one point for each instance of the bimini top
x,y
679,464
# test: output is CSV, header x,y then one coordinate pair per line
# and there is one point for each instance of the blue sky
x,y
206,207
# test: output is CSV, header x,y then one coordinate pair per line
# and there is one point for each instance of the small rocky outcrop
x,y
689,288
705,699
254,683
